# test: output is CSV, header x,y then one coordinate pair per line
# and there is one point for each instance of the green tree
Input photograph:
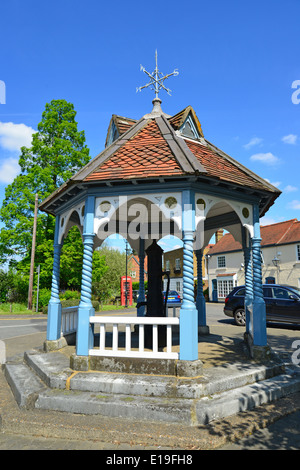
x,y
6,284
58,150
108,286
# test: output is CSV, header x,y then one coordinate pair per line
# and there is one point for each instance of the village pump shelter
x,y
159,176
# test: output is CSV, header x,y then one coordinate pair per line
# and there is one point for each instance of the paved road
x,y
21,326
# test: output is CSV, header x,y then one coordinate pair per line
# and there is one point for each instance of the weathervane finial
x,y
157,79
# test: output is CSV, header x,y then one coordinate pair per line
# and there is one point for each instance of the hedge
x,y
73,303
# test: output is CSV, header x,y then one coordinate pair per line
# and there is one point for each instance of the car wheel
x,y
240,317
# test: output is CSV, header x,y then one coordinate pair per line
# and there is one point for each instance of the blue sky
x,y
237,62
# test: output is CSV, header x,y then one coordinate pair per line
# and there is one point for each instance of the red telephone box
x,y
126,285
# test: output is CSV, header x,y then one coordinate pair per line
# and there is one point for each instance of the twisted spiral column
x,y
257,274
259,307
86,281
188,331
248,287
248,272
200,300
55,275
188,271
54,307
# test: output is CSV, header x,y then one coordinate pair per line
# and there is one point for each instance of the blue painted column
x,y
248,281
200,300
85,335
259,332
188,312
54,306
141,297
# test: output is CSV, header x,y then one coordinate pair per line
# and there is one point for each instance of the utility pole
x,y
38,288
126,291
32,254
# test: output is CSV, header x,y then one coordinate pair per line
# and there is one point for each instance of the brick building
x,y
280,259
173,262
133,267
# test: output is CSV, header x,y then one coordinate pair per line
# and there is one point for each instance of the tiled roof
x,y
224,169
153,147
274,234
146,155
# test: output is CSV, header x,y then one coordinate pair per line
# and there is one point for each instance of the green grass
x,y
21,309
14,309
115,307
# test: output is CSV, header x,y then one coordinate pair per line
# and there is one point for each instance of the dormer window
x,y
188,128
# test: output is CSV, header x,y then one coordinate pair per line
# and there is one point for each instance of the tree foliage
x,y
58,150
108,286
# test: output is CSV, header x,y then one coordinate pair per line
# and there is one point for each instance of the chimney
x,y
219,235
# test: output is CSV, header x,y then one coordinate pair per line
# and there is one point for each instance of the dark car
x,y
282,303
173,297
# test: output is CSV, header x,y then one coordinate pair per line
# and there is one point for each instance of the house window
x,y
177,263
298,252
168,265
225,286
221,262
132,274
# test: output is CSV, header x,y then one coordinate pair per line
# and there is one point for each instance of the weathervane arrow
x,y
157,79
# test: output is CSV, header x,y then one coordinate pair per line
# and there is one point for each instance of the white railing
x,y
69,320
128,351
174,307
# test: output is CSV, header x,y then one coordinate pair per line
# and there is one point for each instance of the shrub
x,y
44,297
70,294
73,303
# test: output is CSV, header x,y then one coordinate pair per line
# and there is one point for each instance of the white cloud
x,y
275,183
253,141
266,220
290,139
9,170
266,158
14,136
295,204
289,188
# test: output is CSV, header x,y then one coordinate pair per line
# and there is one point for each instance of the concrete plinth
x,y
203,330
225,382
169,367
257,353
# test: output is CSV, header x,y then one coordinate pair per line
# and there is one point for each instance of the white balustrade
x,y
128,351
69,320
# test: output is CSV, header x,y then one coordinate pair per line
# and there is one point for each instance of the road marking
x,y
22,319
16,326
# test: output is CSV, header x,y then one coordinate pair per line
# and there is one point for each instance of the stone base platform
x,y
223,383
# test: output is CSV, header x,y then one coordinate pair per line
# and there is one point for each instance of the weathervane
x,y
157,79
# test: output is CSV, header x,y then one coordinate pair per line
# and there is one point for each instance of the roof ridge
x,y
282,222
189,162
286,232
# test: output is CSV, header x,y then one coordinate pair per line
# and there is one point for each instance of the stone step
x,y
24,384
231,391
53,369
185,411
